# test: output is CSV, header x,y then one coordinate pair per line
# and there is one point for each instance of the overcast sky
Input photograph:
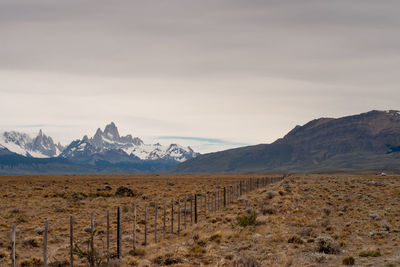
x,y
212,74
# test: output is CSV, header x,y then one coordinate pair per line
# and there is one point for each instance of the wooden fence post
x,y
145,224
108,236
13,245
46,230
134,228
215,201
184,213
119,250
195,208
179,218
164,218
201,204
172,216
71,241
155,222
205,205
92,238
191,209
224,196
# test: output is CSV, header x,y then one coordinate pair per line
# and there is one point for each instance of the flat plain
x,y
304,220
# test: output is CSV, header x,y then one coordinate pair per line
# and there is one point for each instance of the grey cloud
x,y
225,68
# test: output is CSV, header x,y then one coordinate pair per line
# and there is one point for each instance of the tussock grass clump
x,y
349,260
370,253
167,259
59,263
325,244
217,236
33,242
246,261
32,262
247,220
295,239
196,251
140,251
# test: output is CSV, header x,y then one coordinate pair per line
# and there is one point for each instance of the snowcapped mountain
x,y
108,145
42,146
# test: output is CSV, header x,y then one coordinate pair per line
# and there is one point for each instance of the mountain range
x,y
106,151
360,142
365,141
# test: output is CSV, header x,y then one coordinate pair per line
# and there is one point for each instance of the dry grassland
x,y
305,220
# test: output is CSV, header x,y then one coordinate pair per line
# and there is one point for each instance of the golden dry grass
x,y
295,218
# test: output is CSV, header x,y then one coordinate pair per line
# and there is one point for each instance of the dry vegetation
x,y
306,220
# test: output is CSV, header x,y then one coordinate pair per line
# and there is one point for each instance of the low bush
x,y
370,253
349,260
247,220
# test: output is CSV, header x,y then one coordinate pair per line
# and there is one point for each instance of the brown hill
x,y
365,141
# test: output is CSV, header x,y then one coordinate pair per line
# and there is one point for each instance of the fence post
x,y
205,205
224,196
155,222
46,230
215,201
108,236
145,224
164,219
191,209
179,218
134,229
184,213
201,204
195,208
92,238
71,241
13,245
119,233
172,216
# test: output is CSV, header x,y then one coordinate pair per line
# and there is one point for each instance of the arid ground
x,y
304,220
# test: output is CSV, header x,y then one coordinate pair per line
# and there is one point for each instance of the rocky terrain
x,y
305,220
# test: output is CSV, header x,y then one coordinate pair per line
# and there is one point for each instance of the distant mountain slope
x,y
366,141
42,146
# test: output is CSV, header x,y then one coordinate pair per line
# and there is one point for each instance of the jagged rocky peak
x,y
111,132
111,136
40,146
97,139
108,141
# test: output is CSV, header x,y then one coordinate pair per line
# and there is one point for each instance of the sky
x,y
212,74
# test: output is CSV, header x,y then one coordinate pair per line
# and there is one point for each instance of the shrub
x,y
349,260
247,220
325,244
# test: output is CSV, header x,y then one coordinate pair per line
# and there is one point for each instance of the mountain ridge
x,y
105,152
368,140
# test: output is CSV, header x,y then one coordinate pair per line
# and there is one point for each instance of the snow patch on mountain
x,y
134,147
42,146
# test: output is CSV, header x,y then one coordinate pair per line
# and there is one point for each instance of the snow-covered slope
x,y
42,146
133,147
